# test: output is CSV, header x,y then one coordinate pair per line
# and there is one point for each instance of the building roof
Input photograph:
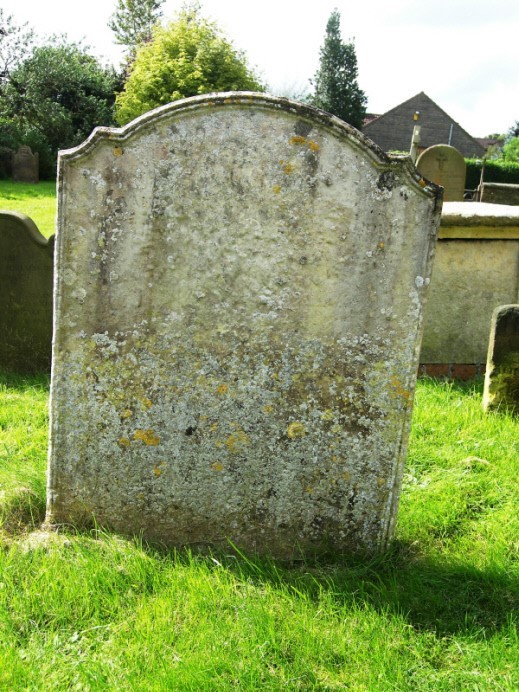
x,y
393,130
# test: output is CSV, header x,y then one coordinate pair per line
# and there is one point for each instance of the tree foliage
x,y
15,44
511,150
133,22
55,98
190,56
336,89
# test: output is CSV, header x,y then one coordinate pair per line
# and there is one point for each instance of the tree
x,y
335,83
55,98
514,130
190,56
511,150
15,43
133,22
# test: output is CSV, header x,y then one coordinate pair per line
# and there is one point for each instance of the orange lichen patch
x,y
297,139
217,466
381,245
222,389
124,442
296,430
117,151
313,146
288,168
127,413
277,189
422,183
149,437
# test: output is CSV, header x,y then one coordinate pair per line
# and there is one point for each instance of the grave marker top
x,y
445,166
238,310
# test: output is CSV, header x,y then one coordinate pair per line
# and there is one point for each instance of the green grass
x,y
36,201
437,611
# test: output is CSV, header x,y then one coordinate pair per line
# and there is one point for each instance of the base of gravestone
x,y
502,373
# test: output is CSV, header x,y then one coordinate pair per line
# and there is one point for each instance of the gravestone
x,y
445,166
502,373
25,295
239,297
499,193
26,165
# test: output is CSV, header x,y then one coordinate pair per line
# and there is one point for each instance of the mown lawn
x,y
437,611
36,201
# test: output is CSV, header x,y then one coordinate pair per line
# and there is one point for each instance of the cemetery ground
x,y
437,611
36,201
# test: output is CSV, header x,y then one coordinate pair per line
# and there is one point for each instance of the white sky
x,y
463,53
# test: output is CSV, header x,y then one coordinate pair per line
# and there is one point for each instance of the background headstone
x,y
26,165
445,166
239,297
26,259
499,193
502,373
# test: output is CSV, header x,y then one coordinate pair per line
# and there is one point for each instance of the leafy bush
x,y
496,171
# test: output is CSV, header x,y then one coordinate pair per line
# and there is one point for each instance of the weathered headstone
x,y
502,372
445,166
499,193
26,165
240,284
25,294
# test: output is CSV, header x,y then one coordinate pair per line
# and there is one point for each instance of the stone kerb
x,y
26,272
445,166
238,309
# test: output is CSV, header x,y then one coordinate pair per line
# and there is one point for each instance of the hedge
x,y
495,172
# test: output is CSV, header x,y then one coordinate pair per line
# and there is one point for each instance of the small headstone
x,y
239,297
26,165
26,259
445,166
502,372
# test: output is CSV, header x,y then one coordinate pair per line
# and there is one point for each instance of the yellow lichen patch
x,y
117,151
288,168
222,389
146,402
127,413
309,489
327,414
277,189
381,245
214,427
381,482
149,437
313,146
236,441
217,466
268,408
422,183
398,389
296,430
346,476
157,471
124,442
297,139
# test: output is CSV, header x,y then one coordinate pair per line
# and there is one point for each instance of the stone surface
x,y
476,269
238,312
445,166
26,259
499,193
502,373
25,166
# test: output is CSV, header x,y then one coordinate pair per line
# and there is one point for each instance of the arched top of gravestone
x,y
445,166
306,118
23,226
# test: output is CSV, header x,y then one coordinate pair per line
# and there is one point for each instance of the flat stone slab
x,y
239,299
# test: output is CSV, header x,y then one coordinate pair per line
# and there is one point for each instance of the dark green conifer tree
x,y
335,83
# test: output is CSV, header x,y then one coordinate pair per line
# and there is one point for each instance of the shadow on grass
x,y
428,593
